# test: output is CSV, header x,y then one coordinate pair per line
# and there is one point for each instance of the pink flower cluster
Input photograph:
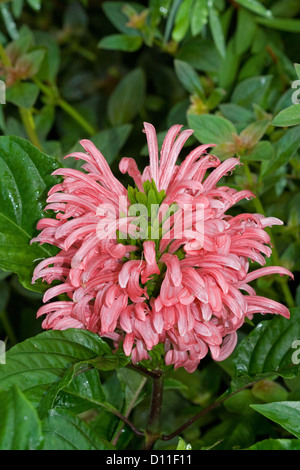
x,y
196,302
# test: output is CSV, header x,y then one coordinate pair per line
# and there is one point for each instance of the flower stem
x,y
76,116
53,94
153,429
27,119
126,416
212,406
259,208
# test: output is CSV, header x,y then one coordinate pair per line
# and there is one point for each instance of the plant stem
x,y
128,411
153,429
27,119
53,94
203,412
76,116
259,208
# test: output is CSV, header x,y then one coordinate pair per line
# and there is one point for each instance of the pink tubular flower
x,y
180,283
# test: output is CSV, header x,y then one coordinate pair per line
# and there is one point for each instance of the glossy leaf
x,y
39,361
25,181
267,350
255,6
20,426
285,413
65,431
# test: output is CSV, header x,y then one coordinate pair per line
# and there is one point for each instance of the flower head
x,y
158,262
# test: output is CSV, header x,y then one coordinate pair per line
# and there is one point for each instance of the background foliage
x,y
227,69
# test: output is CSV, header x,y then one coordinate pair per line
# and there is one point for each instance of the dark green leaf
x,y
128,98
182,20
245,31
50,65
276,444
282,24
188,77
25,180
267,350
64,431
217,32
285,413
121,42
255,6
20,426
252,90
285,148
199,16
116,14
39,361
200,54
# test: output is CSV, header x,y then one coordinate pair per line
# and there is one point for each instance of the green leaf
x,y
35,4
50,65
254,132
236,114
211,129
252,90
182,445
267,350
25,180
171,19
200,54
31,61
37,362
64,431
188,77
288,117
262,151
239,403
182,20
217,32
255,6
269,391
22,94
115,12
285,413
245,31
20,426
128,98
282,24
276,444
285,148
199,16
121,42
